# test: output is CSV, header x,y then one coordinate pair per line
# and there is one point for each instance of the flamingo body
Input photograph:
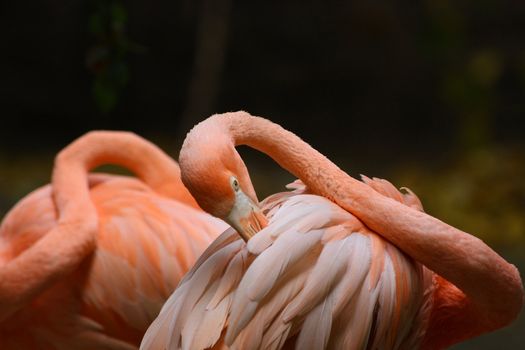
x,y
145,242
346,265
314,278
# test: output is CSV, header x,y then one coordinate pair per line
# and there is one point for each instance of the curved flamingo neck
x,y
126,149
461,258
321,175
65,246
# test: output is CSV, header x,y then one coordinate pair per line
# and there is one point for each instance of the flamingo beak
x,y
246,216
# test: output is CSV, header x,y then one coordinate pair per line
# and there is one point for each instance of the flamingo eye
x,y
234,184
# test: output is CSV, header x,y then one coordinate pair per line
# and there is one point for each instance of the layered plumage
x,y
314,278
124,244
342,269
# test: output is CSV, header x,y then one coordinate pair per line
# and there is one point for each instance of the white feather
x,y
227,237
231,277
272,306
327,271
316,328
272,264
308,273
202,277
359,260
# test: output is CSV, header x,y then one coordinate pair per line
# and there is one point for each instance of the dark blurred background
x,y
429,94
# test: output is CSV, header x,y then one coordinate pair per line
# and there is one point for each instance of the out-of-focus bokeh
x,y
428,94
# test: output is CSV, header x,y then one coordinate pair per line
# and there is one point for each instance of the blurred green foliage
x,y
106,59
481,192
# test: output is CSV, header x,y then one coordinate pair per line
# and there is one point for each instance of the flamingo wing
x,y
315,277
145,245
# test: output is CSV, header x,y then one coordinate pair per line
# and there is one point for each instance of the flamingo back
x,y
145,243
316,277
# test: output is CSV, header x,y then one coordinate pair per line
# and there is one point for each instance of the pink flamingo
x,y
341,264
88,261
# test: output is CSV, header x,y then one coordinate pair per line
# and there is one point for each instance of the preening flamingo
x,y
88,261
340,264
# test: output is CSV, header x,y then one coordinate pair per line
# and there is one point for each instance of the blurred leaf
x,y
96,25
443,33
120,73
105,94
521,68
485,68
118,16
481,192
107,57
97,58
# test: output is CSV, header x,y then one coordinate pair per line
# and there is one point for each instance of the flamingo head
x,y
215,174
